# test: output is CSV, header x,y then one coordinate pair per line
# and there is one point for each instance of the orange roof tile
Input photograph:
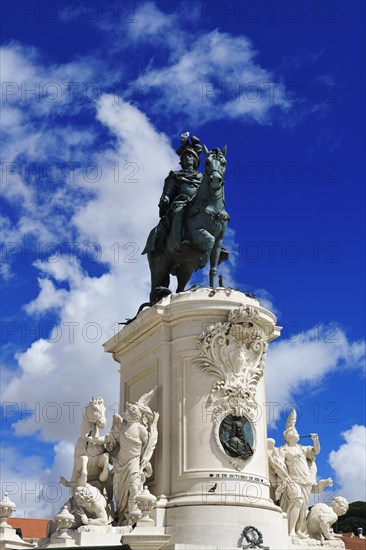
x,y
31,528
353,543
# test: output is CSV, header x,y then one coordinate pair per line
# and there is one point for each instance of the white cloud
x,y
349,464
30,81
32,91
36,363
62,268
48,298
216,77
152,30
34,137
34,131
267,300
41,153
126,197
306,360
31,485
150,23
34,94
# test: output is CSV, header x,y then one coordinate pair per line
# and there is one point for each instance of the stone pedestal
x,y
146,536
10,540
86,536
205,350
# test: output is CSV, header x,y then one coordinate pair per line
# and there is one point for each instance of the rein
x,y
204,202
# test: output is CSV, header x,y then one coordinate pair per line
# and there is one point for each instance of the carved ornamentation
x,y
7,508
293,479
253,537
129,446
234,352
321,517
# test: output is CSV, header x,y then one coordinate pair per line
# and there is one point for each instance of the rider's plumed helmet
x,y
192,146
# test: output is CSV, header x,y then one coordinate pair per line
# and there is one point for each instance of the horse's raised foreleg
x,y
81,468
214,260
103,463
203,240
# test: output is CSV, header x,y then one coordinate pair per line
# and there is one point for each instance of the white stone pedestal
x,y
88,535
9,538
146,536
205,497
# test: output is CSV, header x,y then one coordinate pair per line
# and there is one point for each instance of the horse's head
x,y
94,412
215,166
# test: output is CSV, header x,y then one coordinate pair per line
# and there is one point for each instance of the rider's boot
x,y
177,229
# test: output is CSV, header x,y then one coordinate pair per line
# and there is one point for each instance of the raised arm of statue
x,y
112,438
316,443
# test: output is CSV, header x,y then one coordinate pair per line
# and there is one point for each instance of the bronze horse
x,y
205,224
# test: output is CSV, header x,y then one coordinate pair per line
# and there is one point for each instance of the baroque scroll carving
x,y
234,352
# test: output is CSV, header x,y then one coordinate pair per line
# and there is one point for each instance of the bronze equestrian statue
x,y
193,219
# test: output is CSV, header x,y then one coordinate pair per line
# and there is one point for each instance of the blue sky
x,y
94,97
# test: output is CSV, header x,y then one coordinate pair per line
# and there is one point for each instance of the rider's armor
x,y
179,188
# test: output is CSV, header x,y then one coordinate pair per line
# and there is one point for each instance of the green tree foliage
x,y
353,519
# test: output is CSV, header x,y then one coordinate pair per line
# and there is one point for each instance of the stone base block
x,y
146,536
9,539
221,527
57,542
312,543
89,535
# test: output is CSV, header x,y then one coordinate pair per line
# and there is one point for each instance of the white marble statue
x,y
89,505
90,499
93,504
321,517
131,443
90,461
293,476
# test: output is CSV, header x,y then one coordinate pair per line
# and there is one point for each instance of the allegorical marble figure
x,y
321,517
131,443
293,472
